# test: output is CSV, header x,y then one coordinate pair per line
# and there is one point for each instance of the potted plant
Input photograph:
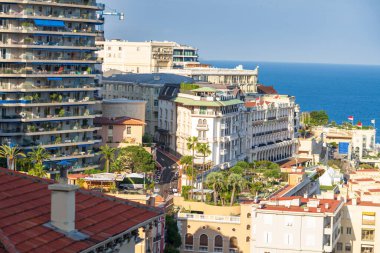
x,y
61,112
58,140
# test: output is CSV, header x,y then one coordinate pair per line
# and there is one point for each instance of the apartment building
x,y
296,224
245,79
47,57
271,127
145,57
209,114
360,142
141,87
208,228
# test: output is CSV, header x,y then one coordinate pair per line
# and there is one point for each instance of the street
x,y
168,171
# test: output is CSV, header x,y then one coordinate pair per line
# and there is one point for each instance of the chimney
x,y
63,207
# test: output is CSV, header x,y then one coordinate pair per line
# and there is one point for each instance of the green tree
x,y
236,170
318,118
172,238
237,182
204,149
186,161
192,143
39,155
216,181
37,170
136,159
108,155
243,164
11,154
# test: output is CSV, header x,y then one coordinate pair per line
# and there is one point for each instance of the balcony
x,y
209,218
31,29
74,155
202,127
46,60
37,131
61,72
91,5
65,143
30,14
37,118
38,103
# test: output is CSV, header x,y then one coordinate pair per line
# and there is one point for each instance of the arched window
x,y
189,242
218,244
204,122
203,243
233,243
199,122
248,215
247,239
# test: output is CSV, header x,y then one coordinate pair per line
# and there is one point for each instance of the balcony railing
x,y
62,2
59,31
58,16
209,218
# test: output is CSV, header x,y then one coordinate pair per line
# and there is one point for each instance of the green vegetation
x,y
327,187
192,143
173,238
108,155
204,149
135,159
11,154
147,138
318,118
188,86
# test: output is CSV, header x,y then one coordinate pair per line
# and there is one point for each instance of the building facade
x,y
245,79
271,128
296,224
145,57
47,77
215,118
120,131
144,87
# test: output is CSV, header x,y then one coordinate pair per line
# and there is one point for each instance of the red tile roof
x,y
332,206
25,208
262,89
118,121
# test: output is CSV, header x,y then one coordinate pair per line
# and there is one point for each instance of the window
x,y
368,234
348,230
233,244
129,130
155,102
110,139
189,242
347,247
339,246
218,244
368,218
120,49
203,243
367,249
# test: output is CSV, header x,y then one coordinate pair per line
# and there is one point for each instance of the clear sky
x,y
319,31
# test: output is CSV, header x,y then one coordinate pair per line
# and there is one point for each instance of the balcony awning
x,y
51,23
54,79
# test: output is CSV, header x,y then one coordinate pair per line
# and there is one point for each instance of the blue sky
x,y
319,31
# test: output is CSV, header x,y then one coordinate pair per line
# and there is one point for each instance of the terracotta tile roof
x,y
262,89
293,162
118,121
332,206
25,208
363,179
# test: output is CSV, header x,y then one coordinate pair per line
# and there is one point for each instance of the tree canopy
x,y
135,159
318,118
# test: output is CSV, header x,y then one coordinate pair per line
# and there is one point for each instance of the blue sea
x,y
341,90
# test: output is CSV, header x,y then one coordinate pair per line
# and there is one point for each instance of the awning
x,y
54,78
51,23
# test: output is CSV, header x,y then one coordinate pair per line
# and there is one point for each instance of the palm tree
x,y
192,143
108,154
186,161
204,149
11,154
216,179
37,170
38,155
236,182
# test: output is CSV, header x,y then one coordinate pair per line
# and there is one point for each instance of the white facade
x,y
144,57
246,79
296,225
215,119
271,128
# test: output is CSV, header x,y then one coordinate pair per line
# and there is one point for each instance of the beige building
x,y
120,131
244,78
206,228
144,87
144,57
361,141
